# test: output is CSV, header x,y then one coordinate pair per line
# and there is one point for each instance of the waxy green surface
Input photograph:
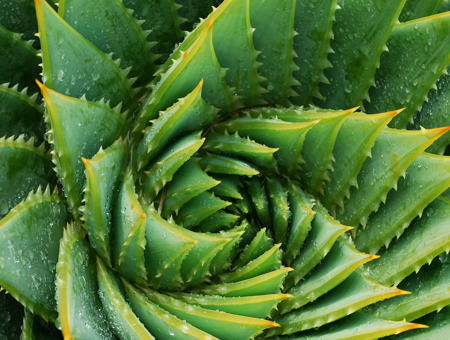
x,y
35,223
20,114
79,306
187,151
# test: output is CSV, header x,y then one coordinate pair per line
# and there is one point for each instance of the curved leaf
x,y
114,31
29,243
63,48
103,172
122,320
73,120
79,307
23,168
19,63
413,46
20,114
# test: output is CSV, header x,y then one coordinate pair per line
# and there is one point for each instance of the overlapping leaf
x,y
259,189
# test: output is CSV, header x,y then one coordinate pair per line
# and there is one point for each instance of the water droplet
x,y
60,75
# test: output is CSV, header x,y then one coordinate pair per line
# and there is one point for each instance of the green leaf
x,y
193,11
30,235
250,232
274,43
429,293
103,173
188,182
216,323
445,6
279,211
359,37
260,244
222,261
122,320
128,233
300,222
416,45
242,207
19,63
428,117
190,114
367,327
131,258
424,239
35,328
161,323
267,262
260,203
228,186
393,152
429,175
198,209
79,307
324,232
319,142
219,22
20,114
243,148
11,315
74,66
252,306
415,9
163,20
318,147
220,220
189,40
269,283
352,294
338,264
163,267
195,268
226,165
313,25
439,327
71,121
194,64
20,17
269,132
23,168
139,239
232,32
112,31
165,166
353,144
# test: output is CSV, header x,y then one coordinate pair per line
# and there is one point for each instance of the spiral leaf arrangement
x,y
224,183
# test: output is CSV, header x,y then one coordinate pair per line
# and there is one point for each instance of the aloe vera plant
x,y
262,168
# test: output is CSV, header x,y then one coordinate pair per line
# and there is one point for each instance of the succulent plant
x,y
174,170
